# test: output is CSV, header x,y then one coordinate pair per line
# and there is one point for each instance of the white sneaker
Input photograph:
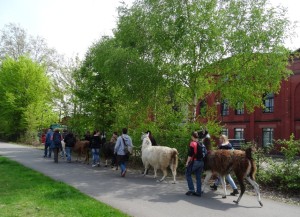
x,y
94,165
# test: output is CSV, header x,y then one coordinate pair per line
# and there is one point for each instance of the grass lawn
x,y
24,192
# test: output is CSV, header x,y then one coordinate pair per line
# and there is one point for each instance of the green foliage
x,y
24,94
166,55
25,192
282,174
232,47
290,148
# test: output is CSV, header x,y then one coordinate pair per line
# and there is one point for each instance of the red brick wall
x,y
285,119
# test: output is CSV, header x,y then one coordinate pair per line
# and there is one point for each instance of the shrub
x,y
282,174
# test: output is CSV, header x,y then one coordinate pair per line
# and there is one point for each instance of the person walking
x,y
56,144
194,164
70,141
95,146
48,142
114,138
112,142
122,158
225,145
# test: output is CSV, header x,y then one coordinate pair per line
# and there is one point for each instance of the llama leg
x,y
155,174
207,178
242,185
256,188
105,162
222,178
174,174
164,176
146,168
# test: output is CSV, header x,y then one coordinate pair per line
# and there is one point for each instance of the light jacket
x,y
119,147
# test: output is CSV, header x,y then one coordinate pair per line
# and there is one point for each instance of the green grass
x,y
24,192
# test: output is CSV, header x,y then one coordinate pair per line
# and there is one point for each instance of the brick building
x,y
279,119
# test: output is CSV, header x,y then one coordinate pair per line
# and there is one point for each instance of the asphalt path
x,y
143,196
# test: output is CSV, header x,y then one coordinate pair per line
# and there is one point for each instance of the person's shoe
x,y
197,194
123,173
98,164
235,192
189,193
214,187
94,165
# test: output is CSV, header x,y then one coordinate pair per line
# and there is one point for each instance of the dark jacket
x,y
70,140
56,140
96,142
226,147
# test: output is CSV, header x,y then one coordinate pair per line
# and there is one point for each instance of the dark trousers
x,y
47,148
55,151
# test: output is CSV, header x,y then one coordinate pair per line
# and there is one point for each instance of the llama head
x,y
146,141
144,135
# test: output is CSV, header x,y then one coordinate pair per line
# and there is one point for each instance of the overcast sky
x,y
71,26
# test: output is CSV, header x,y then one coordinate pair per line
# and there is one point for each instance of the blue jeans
x,y
47,146
96,157
68,153
229,179
197,168
122,161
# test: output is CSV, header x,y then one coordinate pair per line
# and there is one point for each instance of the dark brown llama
x,y
240,162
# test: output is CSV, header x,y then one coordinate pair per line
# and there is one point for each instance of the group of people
x,y
196,164
53,140
53,143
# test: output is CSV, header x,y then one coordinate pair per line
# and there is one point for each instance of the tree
x,y
233,47
24,96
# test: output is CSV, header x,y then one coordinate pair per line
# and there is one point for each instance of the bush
x,y
282,174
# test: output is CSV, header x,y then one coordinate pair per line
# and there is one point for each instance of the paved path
x,y
142,196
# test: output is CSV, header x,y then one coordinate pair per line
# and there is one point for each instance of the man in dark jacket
x,y
95,146
70,141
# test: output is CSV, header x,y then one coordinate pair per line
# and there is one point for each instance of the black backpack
x,y
201,151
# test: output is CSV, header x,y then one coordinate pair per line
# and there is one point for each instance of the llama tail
x,y
174,160
252,163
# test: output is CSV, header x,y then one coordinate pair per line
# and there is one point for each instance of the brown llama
x,y
240,162
82,148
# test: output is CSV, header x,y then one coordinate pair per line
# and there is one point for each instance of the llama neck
x,y
146,143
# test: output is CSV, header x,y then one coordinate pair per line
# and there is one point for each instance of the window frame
x,y
225,131
241,110
224,108
270,137
241,132
268,102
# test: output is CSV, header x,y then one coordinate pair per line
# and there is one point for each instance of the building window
x,y
202,108
269,103
240,110
224,108
239,133
224,132
267,136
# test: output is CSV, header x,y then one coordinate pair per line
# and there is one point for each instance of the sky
x,y
71,26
